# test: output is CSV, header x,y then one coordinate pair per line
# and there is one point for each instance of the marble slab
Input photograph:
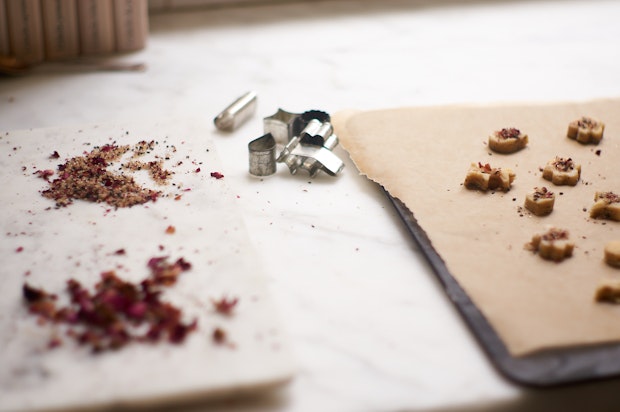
x,y
45,245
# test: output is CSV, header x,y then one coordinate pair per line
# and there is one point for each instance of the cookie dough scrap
x,y
612,253
552,245
508,140
562,171
608,291
586,130
540,202
484,177
606,206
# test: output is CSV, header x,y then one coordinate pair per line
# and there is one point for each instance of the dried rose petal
x,y
217,175
224,305
44,174
112,314
32,294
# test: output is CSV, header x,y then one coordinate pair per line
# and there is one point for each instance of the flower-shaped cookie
x,y
606,206
586,130
612,253
508,140
540,201
562,171
608,291
484,177
552,245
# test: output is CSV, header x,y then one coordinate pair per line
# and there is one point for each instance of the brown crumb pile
x,y
87,178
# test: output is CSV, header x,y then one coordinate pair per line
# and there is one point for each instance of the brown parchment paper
x,y
421,156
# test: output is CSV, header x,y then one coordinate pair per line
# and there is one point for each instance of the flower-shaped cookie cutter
x,y
308,140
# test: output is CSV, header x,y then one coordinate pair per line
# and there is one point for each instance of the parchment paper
x,y
421,156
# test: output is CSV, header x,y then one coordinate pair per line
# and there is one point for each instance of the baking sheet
x,y
421,156
45,246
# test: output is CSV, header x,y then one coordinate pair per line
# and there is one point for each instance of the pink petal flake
x,y
224,305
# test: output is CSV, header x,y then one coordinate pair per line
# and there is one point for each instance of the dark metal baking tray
x,y
543,369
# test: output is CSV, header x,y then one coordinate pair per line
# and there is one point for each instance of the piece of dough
x,y
608,291
540,202
606,206
552,245
586,130
484,177
612,253
508,140
562,171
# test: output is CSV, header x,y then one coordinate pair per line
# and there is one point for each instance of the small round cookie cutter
x,y
262,155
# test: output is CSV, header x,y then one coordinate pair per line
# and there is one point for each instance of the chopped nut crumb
x,y
87,178
219,335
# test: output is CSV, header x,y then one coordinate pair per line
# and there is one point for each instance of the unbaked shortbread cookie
x,y
508,140
606,206
540,202
608,291
612,253
562,171
484,177
552,245
586,130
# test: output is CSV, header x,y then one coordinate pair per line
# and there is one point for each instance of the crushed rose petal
x,y
117,312
542,193
217,175
224,305
509,133
44,174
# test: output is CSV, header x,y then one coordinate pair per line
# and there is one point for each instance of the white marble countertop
x,y
370,325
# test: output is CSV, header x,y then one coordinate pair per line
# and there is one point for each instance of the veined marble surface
x,y
371,327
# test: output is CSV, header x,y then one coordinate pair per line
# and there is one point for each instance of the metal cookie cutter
x,y
237,112
311,150
281,125
308,138
263,155
285,125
